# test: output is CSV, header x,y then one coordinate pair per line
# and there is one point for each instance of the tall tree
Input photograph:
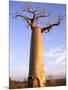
x,y
37,77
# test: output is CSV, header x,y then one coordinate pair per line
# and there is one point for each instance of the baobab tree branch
x,y
32,12
34,18
42,16
49,27
25,17
36,14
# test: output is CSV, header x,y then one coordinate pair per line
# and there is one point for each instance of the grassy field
x,y
17,84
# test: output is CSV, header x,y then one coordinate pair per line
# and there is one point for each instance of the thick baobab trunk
x,y
36,65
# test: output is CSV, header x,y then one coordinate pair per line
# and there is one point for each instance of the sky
x,y
54,42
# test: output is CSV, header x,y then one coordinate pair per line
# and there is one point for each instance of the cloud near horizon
x,y
56,61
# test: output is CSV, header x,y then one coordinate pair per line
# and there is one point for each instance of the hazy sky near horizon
x,y
53,42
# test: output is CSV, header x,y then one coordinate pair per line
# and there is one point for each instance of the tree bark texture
x,y
36,65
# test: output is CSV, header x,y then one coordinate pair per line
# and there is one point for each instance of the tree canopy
x,y
37,13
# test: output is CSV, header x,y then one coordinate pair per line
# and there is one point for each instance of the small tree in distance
x,y
37,76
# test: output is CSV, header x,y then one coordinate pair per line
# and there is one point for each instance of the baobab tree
x,y
37,76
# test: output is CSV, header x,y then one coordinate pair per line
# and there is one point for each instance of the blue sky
x,y
53,42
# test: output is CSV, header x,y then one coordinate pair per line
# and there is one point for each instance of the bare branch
x,y
49,27
25,17
32,12
42,16
37,14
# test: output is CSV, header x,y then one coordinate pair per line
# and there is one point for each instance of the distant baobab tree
x,y
37,76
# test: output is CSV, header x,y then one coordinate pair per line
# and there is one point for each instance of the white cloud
x,y
61,58
55,62
55,55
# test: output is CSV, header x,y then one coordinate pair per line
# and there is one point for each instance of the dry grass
x,y
17,84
